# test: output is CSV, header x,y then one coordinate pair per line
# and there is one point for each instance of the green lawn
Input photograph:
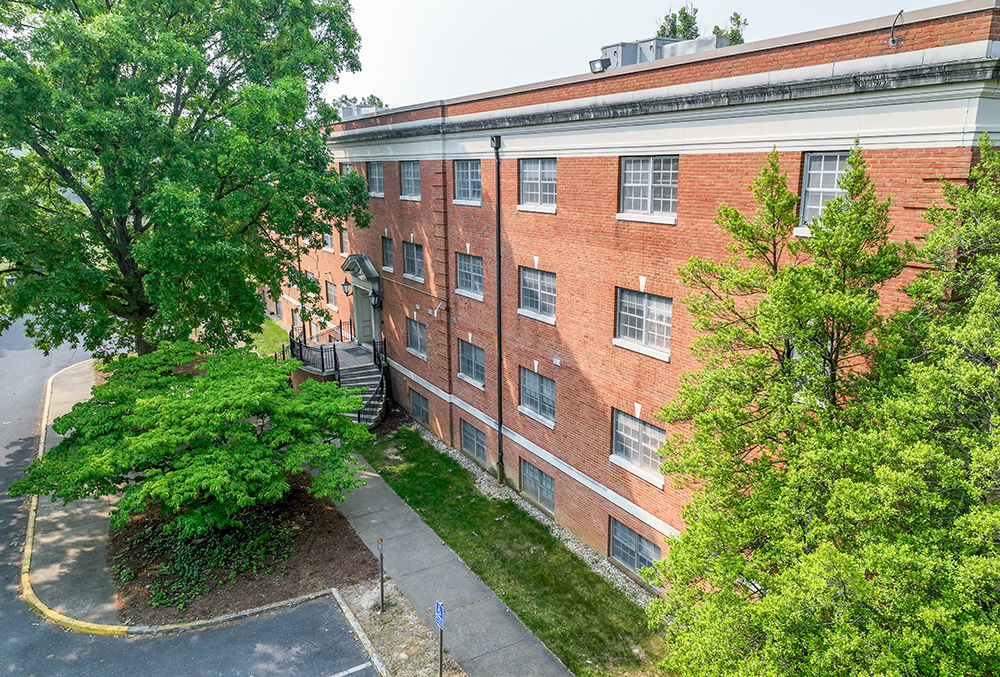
x,y
584,620
270,339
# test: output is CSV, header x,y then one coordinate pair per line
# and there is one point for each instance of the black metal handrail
x,y
375,401
323,357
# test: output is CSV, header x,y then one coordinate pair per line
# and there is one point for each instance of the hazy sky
x,y
414,51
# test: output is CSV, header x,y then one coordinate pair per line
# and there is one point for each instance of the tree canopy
x,y
844,464
683,25
201,435
159,163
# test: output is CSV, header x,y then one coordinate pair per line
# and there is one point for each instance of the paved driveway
x,y
312,640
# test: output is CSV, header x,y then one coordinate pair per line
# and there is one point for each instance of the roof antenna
x,y
893,40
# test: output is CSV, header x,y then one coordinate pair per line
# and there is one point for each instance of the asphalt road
x,y
311,640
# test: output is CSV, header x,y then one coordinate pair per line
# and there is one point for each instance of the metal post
x,y
495,143
381,579
441,652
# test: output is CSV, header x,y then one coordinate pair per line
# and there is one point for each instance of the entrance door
x,y
363,315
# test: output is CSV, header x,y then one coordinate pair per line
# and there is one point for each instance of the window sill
x,y
413,278
411,351
344,255
541,209
333,308
330,250
472,382
641,349
666,219
469,295
410,198
547,422
371,194
802,231
643,474
467,203
547,319
388,270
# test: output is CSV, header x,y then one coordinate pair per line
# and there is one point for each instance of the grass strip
x,y
584,620
270,339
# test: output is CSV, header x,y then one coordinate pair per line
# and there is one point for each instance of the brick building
x,y
608,182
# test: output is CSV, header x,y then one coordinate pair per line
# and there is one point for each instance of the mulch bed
x,y
325,552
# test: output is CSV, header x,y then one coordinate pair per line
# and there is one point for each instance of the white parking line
x,y
356,668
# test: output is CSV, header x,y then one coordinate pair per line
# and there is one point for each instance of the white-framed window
x,y
630,548
470,275
643,322
637,442
538,394
420,408
471,362
328,240
473,441
343,242
468,181
416,338
409,180
820,174
331,294
376,183
387,254
649,185
538,182
413,261
296,318
538,294
346,167
538,485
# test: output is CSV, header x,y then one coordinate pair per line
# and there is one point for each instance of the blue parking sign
x,y
439,614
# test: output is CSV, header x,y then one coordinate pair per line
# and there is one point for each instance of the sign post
x,y
439,617
381,579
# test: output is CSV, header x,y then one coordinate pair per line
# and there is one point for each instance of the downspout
x,y
495,144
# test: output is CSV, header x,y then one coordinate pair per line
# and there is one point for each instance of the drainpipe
x,y
495,144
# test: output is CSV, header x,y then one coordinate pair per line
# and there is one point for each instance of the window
x,y
331,294
637,442
630,548
470,275
644,321
376,186
296,318
538,294
413,261
538,395
819,185
538,485
538,182
416,338
419,407
328,240
471,362
343,242
346,167
473,441
649,185
468,181
387,254
409,180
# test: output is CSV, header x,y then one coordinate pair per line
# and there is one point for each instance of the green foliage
x,y
202,435
682,24
270,339
735,29
586,622
163,163
370,100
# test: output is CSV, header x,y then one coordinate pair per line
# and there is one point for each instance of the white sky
x,y
414,51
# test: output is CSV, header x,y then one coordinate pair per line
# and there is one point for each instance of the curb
x,y
145,630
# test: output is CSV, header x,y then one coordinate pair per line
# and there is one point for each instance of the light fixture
x,y
374,299
346,286
600,65
495,142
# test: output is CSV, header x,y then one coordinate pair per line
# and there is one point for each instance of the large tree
x,y
161,161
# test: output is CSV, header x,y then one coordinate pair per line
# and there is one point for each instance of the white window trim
x,y
411,351
469,294
371,194
472,382
547,319
802,231
329,249
414,278
665,219
642,473
410,198
388,269
541,209
635,347
344,255
467,203
531,413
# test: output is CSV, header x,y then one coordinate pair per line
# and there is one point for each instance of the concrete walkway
x,y
483,636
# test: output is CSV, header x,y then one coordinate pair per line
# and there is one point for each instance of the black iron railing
x,y
322,357
373,405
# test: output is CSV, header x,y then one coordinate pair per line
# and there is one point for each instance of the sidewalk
x,y
69,571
